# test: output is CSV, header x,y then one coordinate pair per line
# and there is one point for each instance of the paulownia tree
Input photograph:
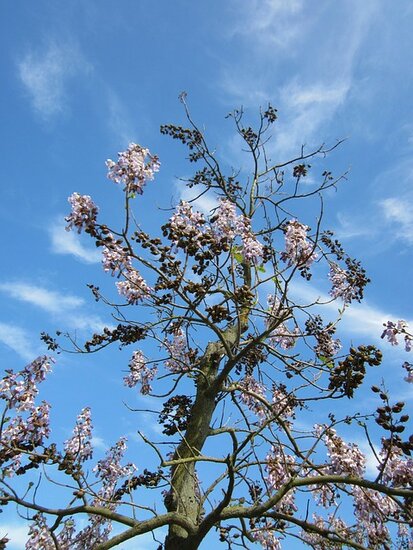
x,y
245,370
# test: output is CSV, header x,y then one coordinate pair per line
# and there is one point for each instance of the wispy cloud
x,y
18,340
45,74
399,213
265,16
358,319
48,300
68,309
68,242
119,120
17,533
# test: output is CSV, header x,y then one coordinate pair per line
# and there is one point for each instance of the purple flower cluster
x,y
30,426
298,249
341,284
344,458
228,225
249,385
178,360
140,373
392,330
186,222
280,467
134,288
79,446
132,169
116,259
84,213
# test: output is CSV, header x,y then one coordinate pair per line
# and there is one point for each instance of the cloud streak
x,y
45,74
48,300
18,340
68,242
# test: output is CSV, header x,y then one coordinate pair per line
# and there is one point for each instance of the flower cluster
x,y
30,426
110,471
372,510
227,225
283,337
342,286
344,458
283,405
392,330
409,369
299,250
79,446
114,256
140,373
332,524
134,288
116,259
83,215
187,225
251,386
178,360
396,470
280,468
132,169
265,536
39,534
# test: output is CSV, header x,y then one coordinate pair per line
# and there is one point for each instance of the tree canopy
x,y
254,387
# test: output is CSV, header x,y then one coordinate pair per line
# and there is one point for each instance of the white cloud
x,y
18,340
399,213
49,300
118,119
45,74
68,242
17,533
350,227
275,22
358,319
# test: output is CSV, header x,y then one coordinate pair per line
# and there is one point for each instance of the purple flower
x,y
298,249
132,169
140,373
83,215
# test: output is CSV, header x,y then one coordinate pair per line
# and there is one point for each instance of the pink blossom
x,y
280,468
84,213
79,446
344,458
282,403
114,256
392,330
283,337
266,537
39,534
372,510
20,389
178,352
227,224
249,384
252,249
134,287
186,222
342,287
140,373
110,471
132,169
409,369
298,249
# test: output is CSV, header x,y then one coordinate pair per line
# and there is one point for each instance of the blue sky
x,y
82,79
